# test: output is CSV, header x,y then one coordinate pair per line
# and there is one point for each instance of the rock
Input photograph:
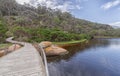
x,y
46,44
54,50
2,52
14,47
51,49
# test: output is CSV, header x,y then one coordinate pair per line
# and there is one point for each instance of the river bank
x,y
98,37
70,43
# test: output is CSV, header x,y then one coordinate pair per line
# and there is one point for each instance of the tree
x,y
8,7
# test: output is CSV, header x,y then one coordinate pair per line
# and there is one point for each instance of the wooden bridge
x,y
26,61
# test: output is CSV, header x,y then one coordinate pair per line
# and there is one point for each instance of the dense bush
x,y
3,30
44,34
54,35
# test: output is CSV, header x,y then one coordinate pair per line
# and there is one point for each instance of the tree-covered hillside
x,y
39,23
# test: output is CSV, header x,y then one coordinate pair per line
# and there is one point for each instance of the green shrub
x,y
9,34
44,34
3,30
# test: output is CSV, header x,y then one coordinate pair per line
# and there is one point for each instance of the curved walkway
x,y
23,62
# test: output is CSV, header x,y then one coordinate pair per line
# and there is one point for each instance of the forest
x,y
35,24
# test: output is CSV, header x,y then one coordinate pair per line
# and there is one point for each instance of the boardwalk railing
x,y
43,55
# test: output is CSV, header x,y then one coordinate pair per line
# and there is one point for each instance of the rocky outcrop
x,y
52,50
46,44
9,49
14,47
2,52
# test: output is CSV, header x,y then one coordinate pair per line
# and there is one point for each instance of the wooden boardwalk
x,y
23,62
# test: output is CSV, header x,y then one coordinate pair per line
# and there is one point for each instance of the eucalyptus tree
x,y
8,7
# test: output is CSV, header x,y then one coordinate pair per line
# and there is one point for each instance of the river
x,y
98,57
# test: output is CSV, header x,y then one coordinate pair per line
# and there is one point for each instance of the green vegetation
x,y
45,34
70,42
27,23
3,30
4,46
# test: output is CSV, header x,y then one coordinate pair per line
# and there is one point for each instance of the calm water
x,y
100,57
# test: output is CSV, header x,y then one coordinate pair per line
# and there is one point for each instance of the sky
x,y
100,11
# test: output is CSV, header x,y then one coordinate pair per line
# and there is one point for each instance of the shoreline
x,y
69,43
105,37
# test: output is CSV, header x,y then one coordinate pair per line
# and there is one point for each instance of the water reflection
x,y
97,58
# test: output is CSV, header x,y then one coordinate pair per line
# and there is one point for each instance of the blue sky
x,y
101,11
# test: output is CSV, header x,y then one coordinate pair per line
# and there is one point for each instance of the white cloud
x,y
63,5
78,7
22,1
110,4
115,24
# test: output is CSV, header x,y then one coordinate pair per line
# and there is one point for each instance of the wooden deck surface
x,y
23,62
